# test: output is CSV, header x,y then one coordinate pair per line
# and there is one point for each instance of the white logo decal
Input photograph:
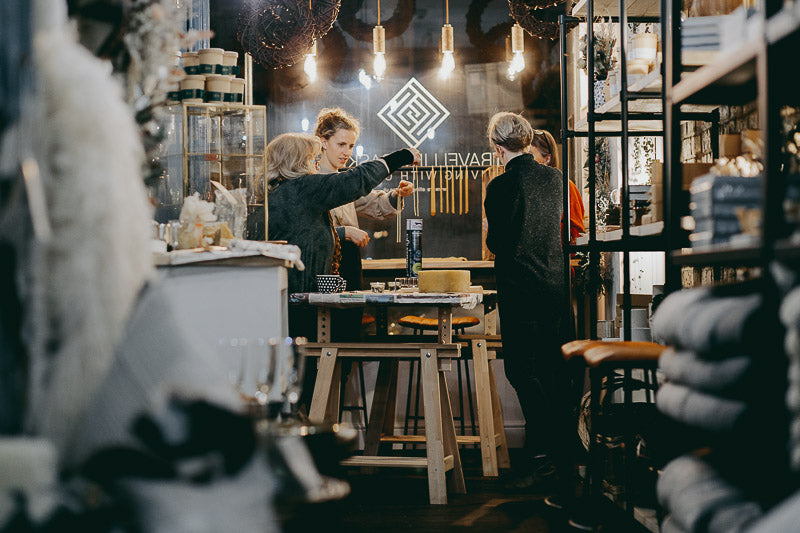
x,y
413,113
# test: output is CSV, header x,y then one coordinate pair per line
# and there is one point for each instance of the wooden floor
x,y
387,501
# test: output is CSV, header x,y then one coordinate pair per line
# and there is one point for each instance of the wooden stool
x,y
367,320
442,459
490,432
603,358
420,324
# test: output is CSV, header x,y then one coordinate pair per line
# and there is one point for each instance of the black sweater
x,y
299,212
523,208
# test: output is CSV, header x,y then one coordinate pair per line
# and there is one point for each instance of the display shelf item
x,y
730,78
783,24
225,143
727,254
633,8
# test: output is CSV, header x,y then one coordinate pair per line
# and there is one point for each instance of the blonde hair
x,y
332,119
546,144
291,155
511,131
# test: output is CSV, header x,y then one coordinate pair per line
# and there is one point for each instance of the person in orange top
x,y
545,151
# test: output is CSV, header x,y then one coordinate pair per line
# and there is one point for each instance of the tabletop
x,y
467,300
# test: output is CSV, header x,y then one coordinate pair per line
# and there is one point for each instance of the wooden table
x,y
435,358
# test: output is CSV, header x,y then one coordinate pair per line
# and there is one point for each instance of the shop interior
x,y
161,369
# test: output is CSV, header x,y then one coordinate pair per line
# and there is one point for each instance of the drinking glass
x,y
266,371
295,369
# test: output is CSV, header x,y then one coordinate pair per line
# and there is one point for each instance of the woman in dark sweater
x,y
523,210
300,201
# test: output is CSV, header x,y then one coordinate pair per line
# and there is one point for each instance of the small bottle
x,y
413,247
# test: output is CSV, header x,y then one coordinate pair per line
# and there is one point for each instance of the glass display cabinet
x,y
225,143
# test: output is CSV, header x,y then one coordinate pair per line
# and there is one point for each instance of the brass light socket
x,y
447,38
517,39
379,40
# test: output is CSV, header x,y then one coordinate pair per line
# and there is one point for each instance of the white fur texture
x,y
90,274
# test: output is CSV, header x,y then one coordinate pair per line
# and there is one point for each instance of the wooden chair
x,y
604,359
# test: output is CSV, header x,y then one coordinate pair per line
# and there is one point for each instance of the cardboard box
x,y
730,145
752,142
637,300
690,172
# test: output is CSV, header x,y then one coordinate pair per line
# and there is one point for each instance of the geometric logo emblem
x,y
413,113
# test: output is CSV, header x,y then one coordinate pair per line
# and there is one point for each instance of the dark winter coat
x,y
523,209
299,212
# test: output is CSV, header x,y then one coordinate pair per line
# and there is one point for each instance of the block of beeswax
x,y
444,281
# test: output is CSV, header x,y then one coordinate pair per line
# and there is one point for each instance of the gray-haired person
x,y
523,211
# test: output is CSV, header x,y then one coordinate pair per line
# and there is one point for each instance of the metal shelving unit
x,y
637,111
746,74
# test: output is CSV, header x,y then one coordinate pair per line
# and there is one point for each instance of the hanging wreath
x,y
324,14
277,33
395,25
540,17
484,43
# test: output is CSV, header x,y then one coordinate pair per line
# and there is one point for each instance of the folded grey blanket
x,y
697,320
700,410
698,498
783,517
727,377
668,525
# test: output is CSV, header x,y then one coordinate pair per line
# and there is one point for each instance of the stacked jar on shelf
x,y
211,76
643,58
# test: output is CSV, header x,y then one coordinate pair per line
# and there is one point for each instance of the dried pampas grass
x,y
89,275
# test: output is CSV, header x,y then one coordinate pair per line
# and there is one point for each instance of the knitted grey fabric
x,y
692,492
781,518
727,377
700,410
696,320
668,525
157,358
240,503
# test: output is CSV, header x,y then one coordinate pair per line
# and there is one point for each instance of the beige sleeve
x,y
376,205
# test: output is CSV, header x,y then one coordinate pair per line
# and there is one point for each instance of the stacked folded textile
x,y
790,317
699,498
724,348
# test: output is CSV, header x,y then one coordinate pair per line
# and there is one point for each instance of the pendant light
x,y
310,64
448,62
379,47
517,63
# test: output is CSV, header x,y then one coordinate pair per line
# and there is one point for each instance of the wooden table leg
x,y
483,394
323,324
445,329
326,387
380,406
431,401
503,460
456,477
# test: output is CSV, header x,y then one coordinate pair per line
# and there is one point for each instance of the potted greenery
x,y
604,58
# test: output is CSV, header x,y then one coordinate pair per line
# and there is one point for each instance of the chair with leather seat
x,y
604,359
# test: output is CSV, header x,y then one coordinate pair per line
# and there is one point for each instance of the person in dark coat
x,y
523,210
300,200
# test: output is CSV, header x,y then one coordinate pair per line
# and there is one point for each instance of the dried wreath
x,y
540,17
